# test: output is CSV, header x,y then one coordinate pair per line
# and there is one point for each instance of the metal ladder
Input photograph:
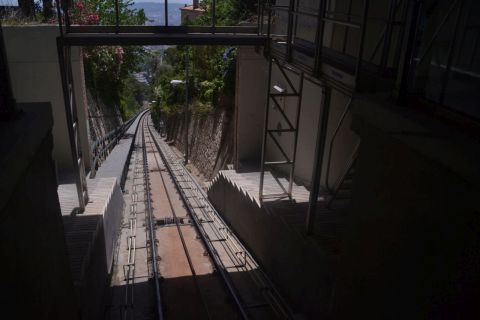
x,y
292,128
64,59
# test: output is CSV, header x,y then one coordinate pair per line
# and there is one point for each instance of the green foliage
x,y
211,68
211,74
127,15
227,12
109,69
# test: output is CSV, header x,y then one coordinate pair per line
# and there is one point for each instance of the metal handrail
x,y
330,148
102,146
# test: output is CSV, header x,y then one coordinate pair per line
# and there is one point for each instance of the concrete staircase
x,y
248,184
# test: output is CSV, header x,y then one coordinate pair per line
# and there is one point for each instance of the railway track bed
x,y
195,266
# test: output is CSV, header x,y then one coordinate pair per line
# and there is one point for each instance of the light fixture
x,y
278,89
176,82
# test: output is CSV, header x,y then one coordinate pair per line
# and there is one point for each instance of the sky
x,y
15,2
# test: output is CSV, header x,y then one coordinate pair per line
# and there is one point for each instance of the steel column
x,y
451,52
318,162
117,17
265,130
297,124
362,40
319,39
407,60
72,124
166,12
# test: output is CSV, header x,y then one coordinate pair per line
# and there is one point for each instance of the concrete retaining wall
x,y
210,138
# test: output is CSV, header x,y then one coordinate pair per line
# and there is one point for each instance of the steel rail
x,y
211,250
209,218
234,249
150,224
182,238
129,268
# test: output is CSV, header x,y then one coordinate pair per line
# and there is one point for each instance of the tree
x,y
108,69
27,8
227,12
47,9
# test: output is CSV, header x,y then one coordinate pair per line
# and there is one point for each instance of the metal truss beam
x,y
164,29
108,39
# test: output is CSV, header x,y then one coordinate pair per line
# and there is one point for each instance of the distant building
x,y
191,13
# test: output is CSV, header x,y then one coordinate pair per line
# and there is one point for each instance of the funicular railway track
x,y
198,269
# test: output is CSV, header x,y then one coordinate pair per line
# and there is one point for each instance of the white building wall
x,y
251,86
35,76
252,77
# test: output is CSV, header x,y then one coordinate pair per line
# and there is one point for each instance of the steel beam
x,y
164,39
164,29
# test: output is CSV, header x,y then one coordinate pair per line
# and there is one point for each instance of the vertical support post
x,y
259,17
117,17
318,161
295,142
72,124
59,17
265,131
407,59
66,15
388,37
7,101
362,41
214,15
451,51
291,8
269,30
186,106
166,12
345,35
319,38
401,33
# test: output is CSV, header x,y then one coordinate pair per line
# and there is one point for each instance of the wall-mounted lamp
x,y
278,89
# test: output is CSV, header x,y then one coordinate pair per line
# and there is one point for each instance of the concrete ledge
x,y
296,264
91,239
